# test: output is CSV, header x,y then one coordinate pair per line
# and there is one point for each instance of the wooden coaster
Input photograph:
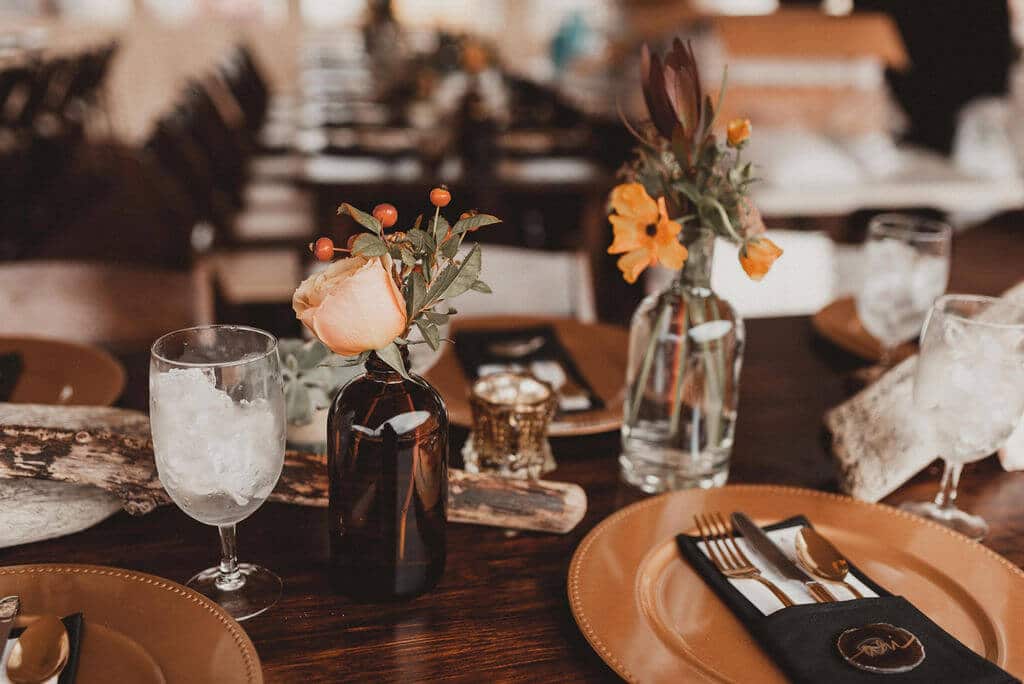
x,y
838,322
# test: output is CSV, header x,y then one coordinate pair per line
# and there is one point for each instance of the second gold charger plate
x,y
653,619
58,372
137,627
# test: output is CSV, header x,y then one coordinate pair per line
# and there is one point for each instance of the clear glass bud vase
x,y
682,382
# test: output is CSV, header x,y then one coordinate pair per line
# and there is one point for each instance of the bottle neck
x,y
700,246
377,369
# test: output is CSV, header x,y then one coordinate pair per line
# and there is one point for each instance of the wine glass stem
x,y
229,577
946,498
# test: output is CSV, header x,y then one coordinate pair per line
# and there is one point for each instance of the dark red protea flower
x,y
674,96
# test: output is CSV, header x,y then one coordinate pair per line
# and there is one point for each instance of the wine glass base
x,y
261,589
972,526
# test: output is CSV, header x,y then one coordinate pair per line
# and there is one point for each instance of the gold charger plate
x,y
599,351
92,376
839,323
138,627
653,619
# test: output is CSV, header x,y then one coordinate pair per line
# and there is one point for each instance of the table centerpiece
x,y
387,429
681,192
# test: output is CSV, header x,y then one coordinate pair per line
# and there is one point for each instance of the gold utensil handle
x,y
853,590
779,594
820,592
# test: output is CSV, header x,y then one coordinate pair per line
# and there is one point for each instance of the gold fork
x,y
725,553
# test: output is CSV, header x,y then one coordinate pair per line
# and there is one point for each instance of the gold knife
x,y
770,553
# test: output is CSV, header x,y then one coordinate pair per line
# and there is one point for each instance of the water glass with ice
x,y
906,262
216,402
968,392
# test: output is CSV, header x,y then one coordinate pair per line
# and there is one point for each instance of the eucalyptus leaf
x,y
435,317
361,217
323,376
440,229
481,286
306,353
441,283
368,245
417,238
417,295
473,222
392,356
346,361
450,248
469,272
318,398
298,408
430,334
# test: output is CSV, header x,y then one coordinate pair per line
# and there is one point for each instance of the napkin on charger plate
x,y
875,439
815,642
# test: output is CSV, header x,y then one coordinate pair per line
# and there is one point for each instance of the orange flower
x,y
737,132
757,256
643,232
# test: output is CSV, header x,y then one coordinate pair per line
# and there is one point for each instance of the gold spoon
x,y
41,651
822,559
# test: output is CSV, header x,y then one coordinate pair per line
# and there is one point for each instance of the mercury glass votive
x,y
511,413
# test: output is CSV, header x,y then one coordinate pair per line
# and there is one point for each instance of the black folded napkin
x,y
803,639
10,370
526,348
74,625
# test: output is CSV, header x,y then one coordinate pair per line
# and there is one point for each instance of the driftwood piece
x,y
874,437
519,504
35,510
124,467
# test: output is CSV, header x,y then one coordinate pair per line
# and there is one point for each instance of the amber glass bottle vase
x,y
387,460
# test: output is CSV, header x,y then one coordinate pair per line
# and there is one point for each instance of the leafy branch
x,y
428,265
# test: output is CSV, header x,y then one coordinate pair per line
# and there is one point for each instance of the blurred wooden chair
x,y
533,282
120,307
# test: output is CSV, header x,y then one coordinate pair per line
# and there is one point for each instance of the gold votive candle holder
x,y
511,414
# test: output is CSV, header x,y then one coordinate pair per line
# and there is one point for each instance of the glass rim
x,y
918,228
937,306
215,364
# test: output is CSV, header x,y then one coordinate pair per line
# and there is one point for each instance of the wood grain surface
x,y
500,612
123,466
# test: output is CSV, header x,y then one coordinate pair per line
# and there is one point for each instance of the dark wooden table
x,y
500,613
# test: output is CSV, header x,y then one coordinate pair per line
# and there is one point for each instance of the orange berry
x,y
440,197
323,249
386,214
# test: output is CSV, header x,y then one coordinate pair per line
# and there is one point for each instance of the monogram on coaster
x,y
881,648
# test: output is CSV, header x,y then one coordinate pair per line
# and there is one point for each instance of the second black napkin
x,y
803,639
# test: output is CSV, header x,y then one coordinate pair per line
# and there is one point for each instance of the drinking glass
x,y
216,403
906,261
968,392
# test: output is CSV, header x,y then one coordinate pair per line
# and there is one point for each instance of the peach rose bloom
x,y
352,306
